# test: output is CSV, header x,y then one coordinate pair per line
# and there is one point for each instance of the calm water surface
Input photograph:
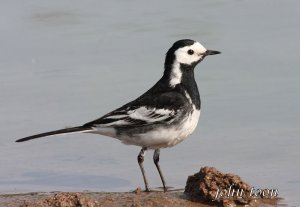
x,y
63,63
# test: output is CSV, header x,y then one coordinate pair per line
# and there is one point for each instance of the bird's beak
x,y
211,52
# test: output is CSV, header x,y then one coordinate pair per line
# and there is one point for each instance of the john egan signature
x,y
233,193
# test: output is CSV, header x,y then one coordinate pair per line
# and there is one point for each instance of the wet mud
x,y
206,188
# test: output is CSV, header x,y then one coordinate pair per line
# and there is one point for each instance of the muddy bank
x,y
98,199
93,199
208,187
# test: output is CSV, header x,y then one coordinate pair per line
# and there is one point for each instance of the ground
x,y
200,191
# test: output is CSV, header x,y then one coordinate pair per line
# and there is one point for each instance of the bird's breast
x,y
186,127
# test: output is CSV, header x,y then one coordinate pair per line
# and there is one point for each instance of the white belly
x,y
165,136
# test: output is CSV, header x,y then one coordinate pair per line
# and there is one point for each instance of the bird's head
x,y
186,54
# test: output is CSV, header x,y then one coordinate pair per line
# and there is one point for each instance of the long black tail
x,y
60,131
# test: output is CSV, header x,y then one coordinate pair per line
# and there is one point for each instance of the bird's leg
x,y
156,160
140,159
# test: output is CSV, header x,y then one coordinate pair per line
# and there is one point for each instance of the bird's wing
x,y
135,117
144,111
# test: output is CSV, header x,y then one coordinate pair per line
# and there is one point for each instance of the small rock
x,y
138,191
207,184
65,200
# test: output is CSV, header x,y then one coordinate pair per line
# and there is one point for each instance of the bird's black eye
x,y
190,52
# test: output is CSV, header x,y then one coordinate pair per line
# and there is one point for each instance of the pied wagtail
x,y
163,116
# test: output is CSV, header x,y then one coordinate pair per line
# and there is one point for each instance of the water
x,y
63,63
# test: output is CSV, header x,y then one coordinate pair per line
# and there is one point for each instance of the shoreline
x,y
206,188
137,198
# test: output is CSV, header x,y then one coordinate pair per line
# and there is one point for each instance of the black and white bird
x,y
163,116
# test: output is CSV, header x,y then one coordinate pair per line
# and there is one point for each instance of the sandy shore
x,y
99,199
93,199
201,190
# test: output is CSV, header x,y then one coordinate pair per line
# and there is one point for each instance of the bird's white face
x,y
190,54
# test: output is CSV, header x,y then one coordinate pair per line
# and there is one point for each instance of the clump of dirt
x,y
64,200
211,185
